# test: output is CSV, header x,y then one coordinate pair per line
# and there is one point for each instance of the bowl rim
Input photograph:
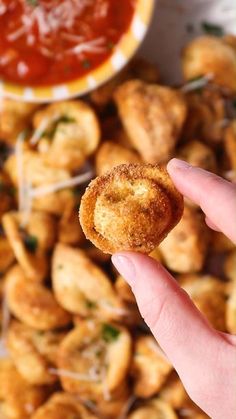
x,y
122,53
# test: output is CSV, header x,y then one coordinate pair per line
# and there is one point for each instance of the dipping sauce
x,y
48,42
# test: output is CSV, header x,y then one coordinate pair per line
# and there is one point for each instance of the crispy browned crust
x,y
132,207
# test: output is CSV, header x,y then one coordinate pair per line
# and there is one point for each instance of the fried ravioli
x,y
132,207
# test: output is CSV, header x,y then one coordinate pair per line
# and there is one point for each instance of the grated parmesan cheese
x,y
20,170
116,310
126,408
55,187
73,375
52,20
26,193
24,186
197,84
95,46
28,205
40,130
6,316
3,8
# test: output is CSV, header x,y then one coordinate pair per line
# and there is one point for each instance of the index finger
x,y
215,196
199,353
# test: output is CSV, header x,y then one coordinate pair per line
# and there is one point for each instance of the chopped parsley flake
x,y
7,189
86,64
33,3
110,45
5,151
99,353
50,132
30,242
212,29
90,304
2,186
110,333
65,119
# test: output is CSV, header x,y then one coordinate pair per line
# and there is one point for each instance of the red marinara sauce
x,y
47,42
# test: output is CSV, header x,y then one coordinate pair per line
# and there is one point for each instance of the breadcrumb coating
x,y
132,207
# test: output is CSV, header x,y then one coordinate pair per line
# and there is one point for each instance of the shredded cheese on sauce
x,y
51,19
3,8
95,46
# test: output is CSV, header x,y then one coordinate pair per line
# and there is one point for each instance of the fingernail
x,y
178,164
125,267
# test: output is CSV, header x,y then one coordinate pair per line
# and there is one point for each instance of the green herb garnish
x,y
86,64
197,78
212,29
7,189
109,333
11,190
67,69
50,132
65,119
5,151
98,353
76,192
30,242
90,304
40,332
33,3
110,45
2,186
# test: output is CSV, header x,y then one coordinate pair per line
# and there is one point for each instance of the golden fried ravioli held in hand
x,y
152,116
132,207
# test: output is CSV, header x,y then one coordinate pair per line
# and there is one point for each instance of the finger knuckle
x,y
152,311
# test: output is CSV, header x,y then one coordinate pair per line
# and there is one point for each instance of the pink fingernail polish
x,y
125,266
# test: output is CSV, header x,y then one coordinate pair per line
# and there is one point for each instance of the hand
x,y
204,358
